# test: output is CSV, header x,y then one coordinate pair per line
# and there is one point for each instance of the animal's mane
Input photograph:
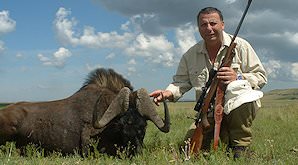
x,y
107,78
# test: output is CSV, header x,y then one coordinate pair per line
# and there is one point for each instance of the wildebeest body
x,y
62,125
67,125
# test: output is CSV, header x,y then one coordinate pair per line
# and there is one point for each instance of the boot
x,y
238,151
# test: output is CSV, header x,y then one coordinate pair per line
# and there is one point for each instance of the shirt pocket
x,y
198,78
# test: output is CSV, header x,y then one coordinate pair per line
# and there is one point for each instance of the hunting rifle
x,y
213,89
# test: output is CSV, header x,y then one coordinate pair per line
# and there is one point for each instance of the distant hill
x,y
282,94
276,94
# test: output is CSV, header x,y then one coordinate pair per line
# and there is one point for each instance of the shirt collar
x,y
227,38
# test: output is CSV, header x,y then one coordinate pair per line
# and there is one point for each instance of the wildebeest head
x,y
125,121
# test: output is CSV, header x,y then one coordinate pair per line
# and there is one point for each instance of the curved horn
x,y
167,114
118,105
147,109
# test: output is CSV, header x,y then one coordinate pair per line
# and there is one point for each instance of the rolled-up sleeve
x,y
252,68
181,81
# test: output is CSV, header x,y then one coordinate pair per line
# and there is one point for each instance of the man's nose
x,y
209,27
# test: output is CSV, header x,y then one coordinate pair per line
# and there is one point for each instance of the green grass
x,y
275,141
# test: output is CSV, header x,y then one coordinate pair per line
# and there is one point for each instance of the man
x,y
193,72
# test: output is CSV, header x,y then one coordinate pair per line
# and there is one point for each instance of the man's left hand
x,y
226,75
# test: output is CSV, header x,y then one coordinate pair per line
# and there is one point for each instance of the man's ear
x,y
223,25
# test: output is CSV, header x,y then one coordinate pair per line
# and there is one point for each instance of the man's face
x,y
211,27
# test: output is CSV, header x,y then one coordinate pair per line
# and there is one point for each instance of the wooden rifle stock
x,y
202,120
220,93
215,87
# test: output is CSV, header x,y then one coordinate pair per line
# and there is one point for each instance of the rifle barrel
x,y
241,21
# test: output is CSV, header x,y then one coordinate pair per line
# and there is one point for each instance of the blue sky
x,y
47,49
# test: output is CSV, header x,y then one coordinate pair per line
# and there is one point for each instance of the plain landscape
x,y
275,139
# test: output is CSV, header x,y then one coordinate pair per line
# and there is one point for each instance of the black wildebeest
x,y
105,109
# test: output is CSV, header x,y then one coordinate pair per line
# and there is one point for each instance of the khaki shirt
x,y
194,66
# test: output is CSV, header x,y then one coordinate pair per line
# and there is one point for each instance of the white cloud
x,y
294,70
132,62
152,17
131,70
136,41
230,1
272,68
64,27
286,71
19,55
58,58
62,54
156,49
91,68
293,37
110,56
89,38
2,48
185,35
41,86
157,17
6,23
145,23
133,42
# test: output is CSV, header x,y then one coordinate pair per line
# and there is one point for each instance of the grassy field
x,y
275,139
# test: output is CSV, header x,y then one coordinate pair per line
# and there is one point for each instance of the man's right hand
x,y
160,95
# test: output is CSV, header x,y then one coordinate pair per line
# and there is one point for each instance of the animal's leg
x,y
85,140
